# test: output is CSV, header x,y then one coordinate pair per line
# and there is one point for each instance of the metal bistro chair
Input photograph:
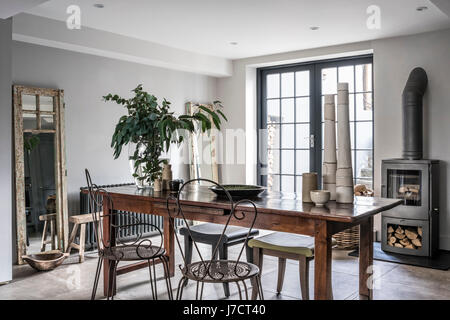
x,y
216,271
137,249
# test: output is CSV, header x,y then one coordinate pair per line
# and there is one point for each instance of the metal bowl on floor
x,y
45,261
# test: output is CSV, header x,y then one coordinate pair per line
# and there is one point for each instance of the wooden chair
x,y
210,233
49,219
79,221
285,246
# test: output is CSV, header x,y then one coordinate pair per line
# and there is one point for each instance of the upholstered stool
x,y
285,246
79,221
209,233
49,219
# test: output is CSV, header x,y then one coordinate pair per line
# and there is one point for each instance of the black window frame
x,y
315,68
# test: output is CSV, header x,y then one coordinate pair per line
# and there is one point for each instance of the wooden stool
x,y
285,246
48,218
79,220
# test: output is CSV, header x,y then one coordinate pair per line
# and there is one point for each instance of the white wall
x,y
90,122
393,60
5,157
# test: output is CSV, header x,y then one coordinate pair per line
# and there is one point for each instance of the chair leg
x,y
73,234
304,277
82,242
44,236
180,288
151,280
239,290
245,289
261,294
281,272
154,279
187,252
97,277
167,276
249,252
52,234
257,260
223,255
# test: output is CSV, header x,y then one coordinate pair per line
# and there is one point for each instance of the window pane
x,y
351,107
28,102
298,187
329,81
287,183
302,162
302,83
273,136
287,162
287,110
287,134
287,84
346,75
363,77
302,136
29,121
302,109
364,135
273,182
47,122
364,164
273,85
273,161
273,111
46,103
364,106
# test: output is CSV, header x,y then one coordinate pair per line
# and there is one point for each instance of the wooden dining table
x,y
276,212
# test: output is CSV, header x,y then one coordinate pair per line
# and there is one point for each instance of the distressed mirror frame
x,y
194,151
62,225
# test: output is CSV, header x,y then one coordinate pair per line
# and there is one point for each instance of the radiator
x,y
146,231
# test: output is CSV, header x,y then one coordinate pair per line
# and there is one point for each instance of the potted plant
x,y
151,128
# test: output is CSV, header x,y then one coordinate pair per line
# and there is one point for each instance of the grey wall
x,y
393,60
89,121
5,156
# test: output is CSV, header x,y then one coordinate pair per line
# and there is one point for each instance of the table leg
x,y
169,243
366,259
322,264
109,240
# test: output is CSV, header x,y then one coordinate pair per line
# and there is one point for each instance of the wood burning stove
x,y
411,228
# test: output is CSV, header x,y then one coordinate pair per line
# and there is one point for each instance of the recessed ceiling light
x,y
233,43
422,8
99,5
314,28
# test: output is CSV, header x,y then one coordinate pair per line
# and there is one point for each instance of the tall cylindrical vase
x,y
344,173
309,183
329,154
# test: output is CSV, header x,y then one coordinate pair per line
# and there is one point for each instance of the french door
x,y
290,104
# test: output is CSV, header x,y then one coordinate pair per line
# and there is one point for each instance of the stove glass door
x,y
405,185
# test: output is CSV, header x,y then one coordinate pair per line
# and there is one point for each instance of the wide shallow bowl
x,y
45,261
239,190
320,197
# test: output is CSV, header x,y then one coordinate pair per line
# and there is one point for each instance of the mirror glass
x,y
28,102
46,104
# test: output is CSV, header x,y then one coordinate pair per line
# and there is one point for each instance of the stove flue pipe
x,y
413,114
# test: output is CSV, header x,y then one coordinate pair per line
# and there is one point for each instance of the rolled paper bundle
x,y
329,154
344,173
309,183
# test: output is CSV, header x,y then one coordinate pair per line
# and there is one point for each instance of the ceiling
x,y
9,8
259,27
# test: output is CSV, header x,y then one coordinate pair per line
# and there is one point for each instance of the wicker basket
x,y
347,239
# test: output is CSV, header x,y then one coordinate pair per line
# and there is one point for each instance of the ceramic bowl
x,y
320,197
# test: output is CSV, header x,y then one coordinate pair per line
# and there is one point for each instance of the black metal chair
x,y
222,270
210,233
127,248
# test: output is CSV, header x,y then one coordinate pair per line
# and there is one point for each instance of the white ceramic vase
x,y
329,154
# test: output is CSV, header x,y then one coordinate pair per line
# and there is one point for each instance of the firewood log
x,y
392,240
417,242
419,231
405,242
410,246
398,245
390,229
411,233
399,230
361,188
399,235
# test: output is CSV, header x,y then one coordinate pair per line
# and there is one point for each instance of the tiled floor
x,y
74,281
